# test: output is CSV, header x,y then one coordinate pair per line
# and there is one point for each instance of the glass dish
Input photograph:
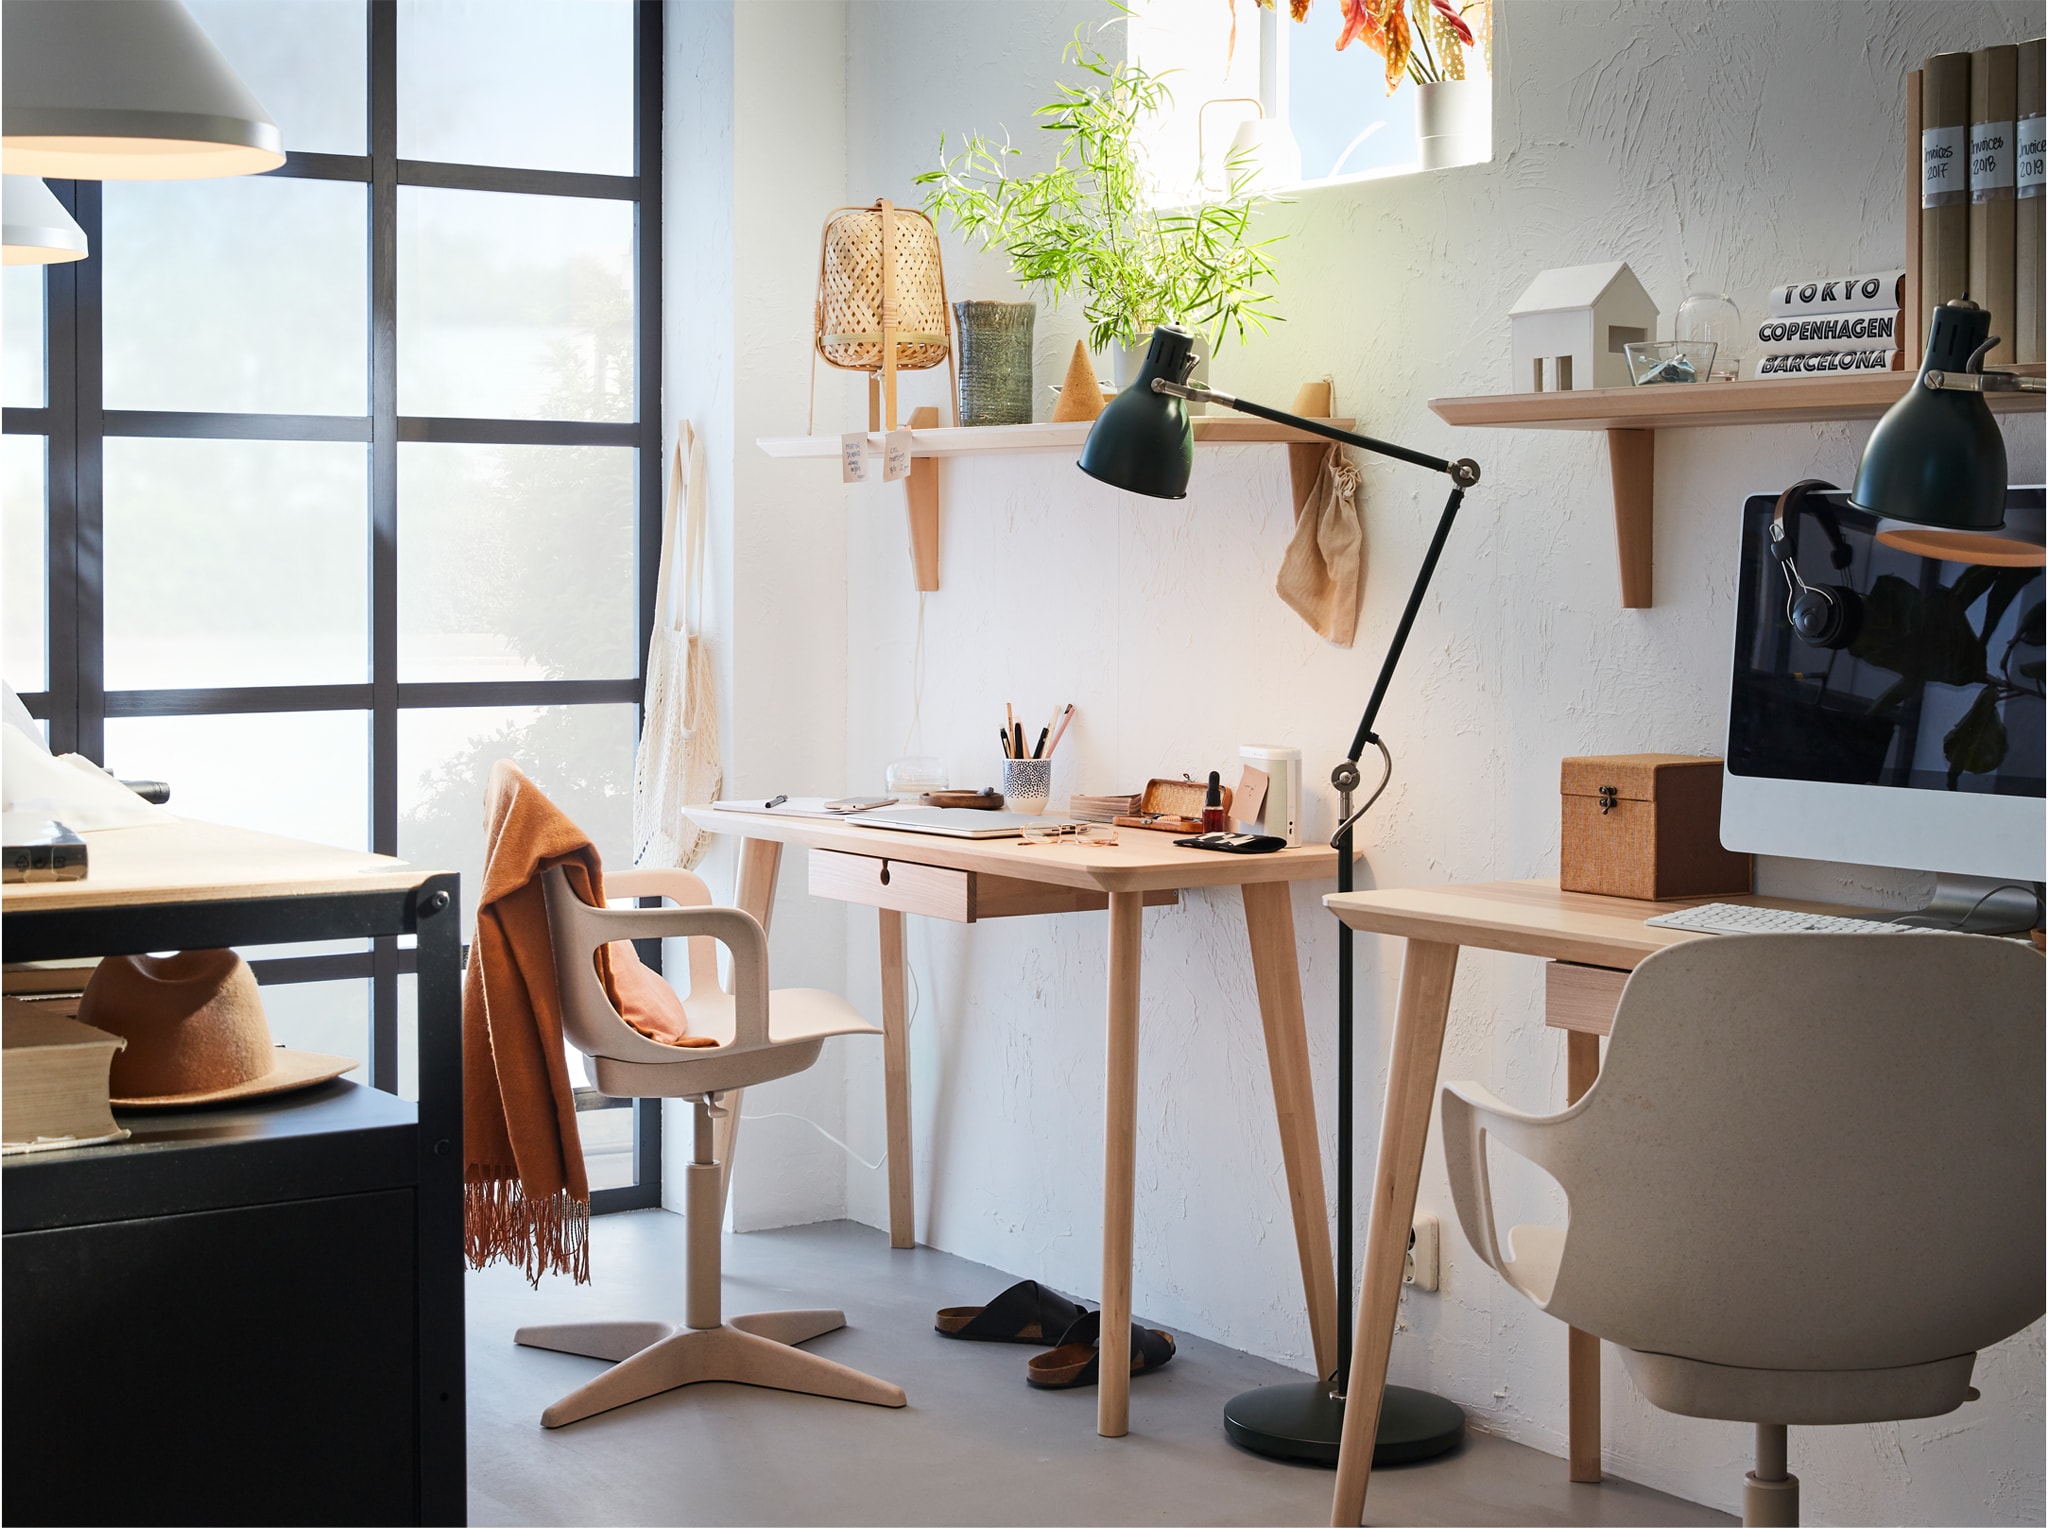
x,y
1657,361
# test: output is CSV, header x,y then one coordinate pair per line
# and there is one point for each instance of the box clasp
x,y
1608,793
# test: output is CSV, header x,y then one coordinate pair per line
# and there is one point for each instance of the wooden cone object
x,y
1081,393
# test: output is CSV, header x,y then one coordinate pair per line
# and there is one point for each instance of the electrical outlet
x,y
1420,1271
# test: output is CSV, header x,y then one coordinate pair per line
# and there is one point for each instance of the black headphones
x,y
1823,615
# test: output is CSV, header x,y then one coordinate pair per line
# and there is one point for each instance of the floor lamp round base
x,y
1306,1422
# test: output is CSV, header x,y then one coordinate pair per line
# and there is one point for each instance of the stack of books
x,y
1832,325
1101,808
54,1081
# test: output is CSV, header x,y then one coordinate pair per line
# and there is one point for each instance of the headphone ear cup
x,y
1828,616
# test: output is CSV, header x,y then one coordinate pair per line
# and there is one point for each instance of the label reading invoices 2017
x,y
1944,166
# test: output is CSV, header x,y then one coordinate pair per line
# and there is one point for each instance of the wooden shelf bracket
x,y
1631,460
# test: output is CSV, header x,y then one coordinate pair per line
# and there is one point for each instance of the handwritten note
x,y
853,457
895,456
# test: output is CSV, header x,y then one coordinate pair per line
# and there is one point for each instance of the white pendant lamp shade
x,y
124,90
38,229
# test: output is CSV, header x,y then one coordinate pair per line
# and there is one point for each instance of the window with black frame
x,y
322,490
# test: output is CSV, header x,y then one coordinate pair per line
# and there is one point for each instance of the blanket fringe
x,y
501,1221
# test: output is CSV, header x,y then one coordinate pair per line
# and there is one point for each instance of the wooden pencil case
x,y
1172,806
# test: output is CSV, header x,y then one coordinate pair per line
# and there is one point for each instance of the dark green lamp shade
x,y
1142,441
1937,457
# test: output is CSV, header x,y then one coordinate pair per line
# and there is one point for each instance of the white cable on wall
x,y
909,1022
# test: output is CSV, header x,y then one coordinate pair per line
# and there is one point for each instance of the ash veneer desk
x,y
965,880
1593,942
311,1242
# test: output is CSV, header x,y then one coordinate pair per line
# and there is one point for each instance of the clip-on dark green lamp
x,y
1142,442
1937,458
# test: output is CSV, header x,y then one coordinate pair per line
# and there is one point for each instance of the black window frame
x,y
76,704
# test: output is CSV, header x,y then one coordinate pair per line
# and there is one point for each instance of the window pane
x,y
1338,106
307,71
304,774
582,756
21,324
332,1018
247,294
514,307
540,84
236,562
516,562
23,656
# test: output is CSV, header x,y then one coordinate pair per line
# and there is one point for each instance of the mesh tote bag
x,y
677,761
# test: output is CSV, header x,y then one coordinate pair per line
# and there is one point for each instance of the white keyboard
x,y
1726,918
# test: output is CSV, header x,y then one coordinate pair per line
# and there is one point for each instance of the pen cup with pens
x,y
1027,785
1027,766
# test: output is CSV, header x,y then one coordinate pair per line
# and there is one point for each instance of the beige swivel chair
x,y
761,1035
1806,1188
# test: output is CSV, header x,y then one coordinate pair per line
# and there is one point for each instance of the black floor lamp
x,y
1142,442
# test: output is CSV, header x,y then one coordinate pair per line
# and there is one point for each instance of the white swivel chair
x,y
761,1035
1806,1188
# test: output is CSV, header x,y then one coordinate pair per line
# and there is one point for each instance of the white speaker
x,y
1281,814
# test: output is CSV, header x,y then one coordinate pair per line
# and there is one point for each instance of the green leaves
x,y
1085,226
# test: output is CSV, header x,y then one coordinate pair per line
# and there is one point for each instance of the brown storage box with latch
x,y
1648,826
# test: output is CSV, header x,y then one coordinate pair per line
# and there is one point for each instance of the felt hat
x,y
195,1030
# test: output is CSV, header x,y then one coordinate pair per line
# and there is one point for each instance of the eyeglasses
x,y
1092,835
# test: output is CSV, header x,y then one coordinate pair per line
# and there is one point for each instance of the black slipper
x,y
1025,1312
1077,1361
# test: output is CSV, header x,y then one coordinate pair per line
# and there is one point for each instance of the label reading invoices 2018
x,y
1991,160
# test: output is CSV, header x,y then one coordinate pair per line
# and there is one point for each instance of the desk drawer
x,y
1581,997
927,890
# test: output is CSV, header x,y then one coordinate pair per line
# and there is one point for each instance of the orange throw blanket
x,y
526,1198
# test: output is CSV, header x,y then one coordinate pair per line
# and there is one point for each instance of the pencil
x,y
1065,717
1006,742
1039,751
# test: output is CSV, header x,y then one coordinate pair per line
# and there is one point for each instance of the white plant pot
x,y
1126,361
1454,122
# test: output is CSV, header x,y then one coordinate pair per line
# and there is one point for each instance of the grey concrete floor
x,y
975,1445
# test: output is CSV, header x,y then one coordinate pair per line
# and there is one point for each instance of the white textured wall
x,y
753,139
1728,144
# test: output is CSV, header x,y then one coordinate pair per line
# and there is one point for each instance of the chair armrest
x,y
740,932
1470,1114
683,887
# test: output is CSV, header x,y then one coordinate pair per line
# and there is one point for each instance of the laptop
x,y
949,821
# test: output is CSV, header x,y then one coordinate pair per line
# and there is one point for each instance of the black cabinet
x,y
249,1314
213,1322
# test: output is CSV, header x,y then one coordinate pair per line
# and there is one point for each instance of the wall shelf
x,y
1631,416
929,441
1210,429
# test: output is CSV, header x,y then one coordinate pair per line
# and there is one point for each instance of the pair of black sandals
x,y
1029,1312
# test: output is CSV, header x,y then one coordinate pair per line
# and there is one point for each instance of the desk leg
x,y
1119,1161
753,892
1582,1349
896,1083
1269,919
1426,976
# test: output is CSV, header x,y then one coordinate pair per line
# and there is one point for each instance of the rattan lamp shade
x,y
881,294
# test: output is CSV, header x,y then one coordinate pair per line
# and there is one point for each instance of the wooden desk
x,y
1524,918
261,1192
966,880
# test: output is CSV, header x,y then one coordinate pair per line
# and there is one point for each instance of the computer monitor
x,y
1919,744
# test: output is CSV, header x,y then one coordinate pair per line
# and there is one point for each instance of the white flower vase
x,y
1127,360
1454,122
